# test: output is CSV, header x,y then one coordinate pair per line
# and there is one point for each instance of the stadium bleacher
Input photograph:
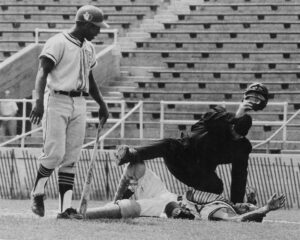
x,y
205,51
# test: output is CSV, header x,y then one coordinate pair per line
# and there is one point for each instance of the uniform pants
x,y
192,174
64,124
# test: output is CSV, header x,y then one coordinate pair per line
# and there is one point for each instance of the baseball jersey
x,y
73,61
152,195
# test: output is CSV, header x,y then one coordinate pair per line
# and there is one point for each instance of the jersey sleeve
x,y
93,58
53,49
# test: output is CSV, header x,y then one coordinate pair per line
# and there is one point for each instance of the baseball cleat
x,y
70,213
124,154
37,205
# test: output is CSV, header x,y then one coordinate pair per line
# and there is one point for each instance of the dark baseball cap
x,y
91,14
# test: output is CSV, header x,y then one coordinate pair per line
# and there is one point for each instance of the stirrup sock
x,y
43,175
65,185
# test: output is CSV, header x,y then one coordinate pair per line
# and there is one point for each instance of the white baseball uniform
x,y
64,119
153,196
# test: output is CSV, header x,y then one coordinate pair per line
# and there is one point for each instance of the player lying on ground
x,y
142,193
219,137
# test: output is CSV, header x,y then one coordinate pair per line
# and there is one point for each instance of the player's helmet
x,y
259,92
91,14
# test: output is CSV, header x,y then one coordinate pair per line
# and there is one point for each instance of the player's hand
x,y
103,114
244,107
276,202
37,112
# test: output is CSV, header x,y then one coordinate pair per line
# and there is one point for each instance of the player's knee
x,y
136,170
129,208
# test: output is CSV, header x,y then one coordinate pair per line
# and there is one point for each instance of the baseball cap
x,y
242,125
91,14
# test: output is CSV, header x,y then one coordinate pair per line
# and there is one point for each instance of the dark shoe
x,y
124,154
69,213
37,205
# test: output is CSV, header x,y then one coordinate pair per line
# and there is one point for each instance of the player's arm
x,y
275,202
216,121
45,67
244,107
97,96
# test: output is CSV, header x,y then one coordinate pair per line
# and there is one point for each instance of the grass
x,y
17,222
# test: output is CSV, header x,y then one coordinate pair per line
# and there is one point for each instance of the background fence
x,y
267,173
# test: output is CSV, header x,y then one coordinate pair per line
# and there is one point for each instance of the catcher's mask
x,y
258,95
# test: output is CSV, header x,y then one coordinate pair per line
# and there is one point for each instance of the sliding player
x,y
142,193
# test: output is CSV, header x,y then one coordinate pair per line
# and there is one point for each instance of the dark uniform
x,y
193,159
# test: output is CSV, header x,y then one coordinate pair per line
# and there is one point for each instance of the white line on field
x,y
281,221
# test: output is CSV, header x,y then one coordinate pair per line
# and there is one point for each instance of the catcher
x,y
219,137
142,193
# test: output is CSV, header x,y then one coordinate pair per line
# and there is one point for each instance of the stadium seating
x,y
212,52
205,51
18,19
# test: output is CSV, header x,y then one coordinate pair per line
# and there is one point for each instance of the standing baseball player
x,y
219,137
63,81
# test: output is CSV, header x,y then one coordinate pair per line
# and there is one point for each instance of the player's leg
x,y
239,170
166,148
121,209
132,173
54,125
12,127
201,197
206,180
66,175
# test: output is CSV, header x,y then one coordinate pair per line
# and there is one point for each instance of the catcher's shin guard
x,y
129,208
111,211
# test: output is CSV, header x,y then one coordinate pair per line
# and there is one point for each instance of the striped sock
x,y
65,185
43,175
200,197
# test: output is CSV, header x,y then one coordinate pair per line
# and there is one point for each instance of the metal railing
x,y
120,122
164,121
25,118
268,140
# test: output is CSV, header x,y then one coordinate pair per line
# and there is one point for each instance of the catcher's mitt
x,y
258,94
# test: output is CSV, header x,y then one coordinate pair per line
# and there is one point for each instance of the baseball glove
x,y
258,95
